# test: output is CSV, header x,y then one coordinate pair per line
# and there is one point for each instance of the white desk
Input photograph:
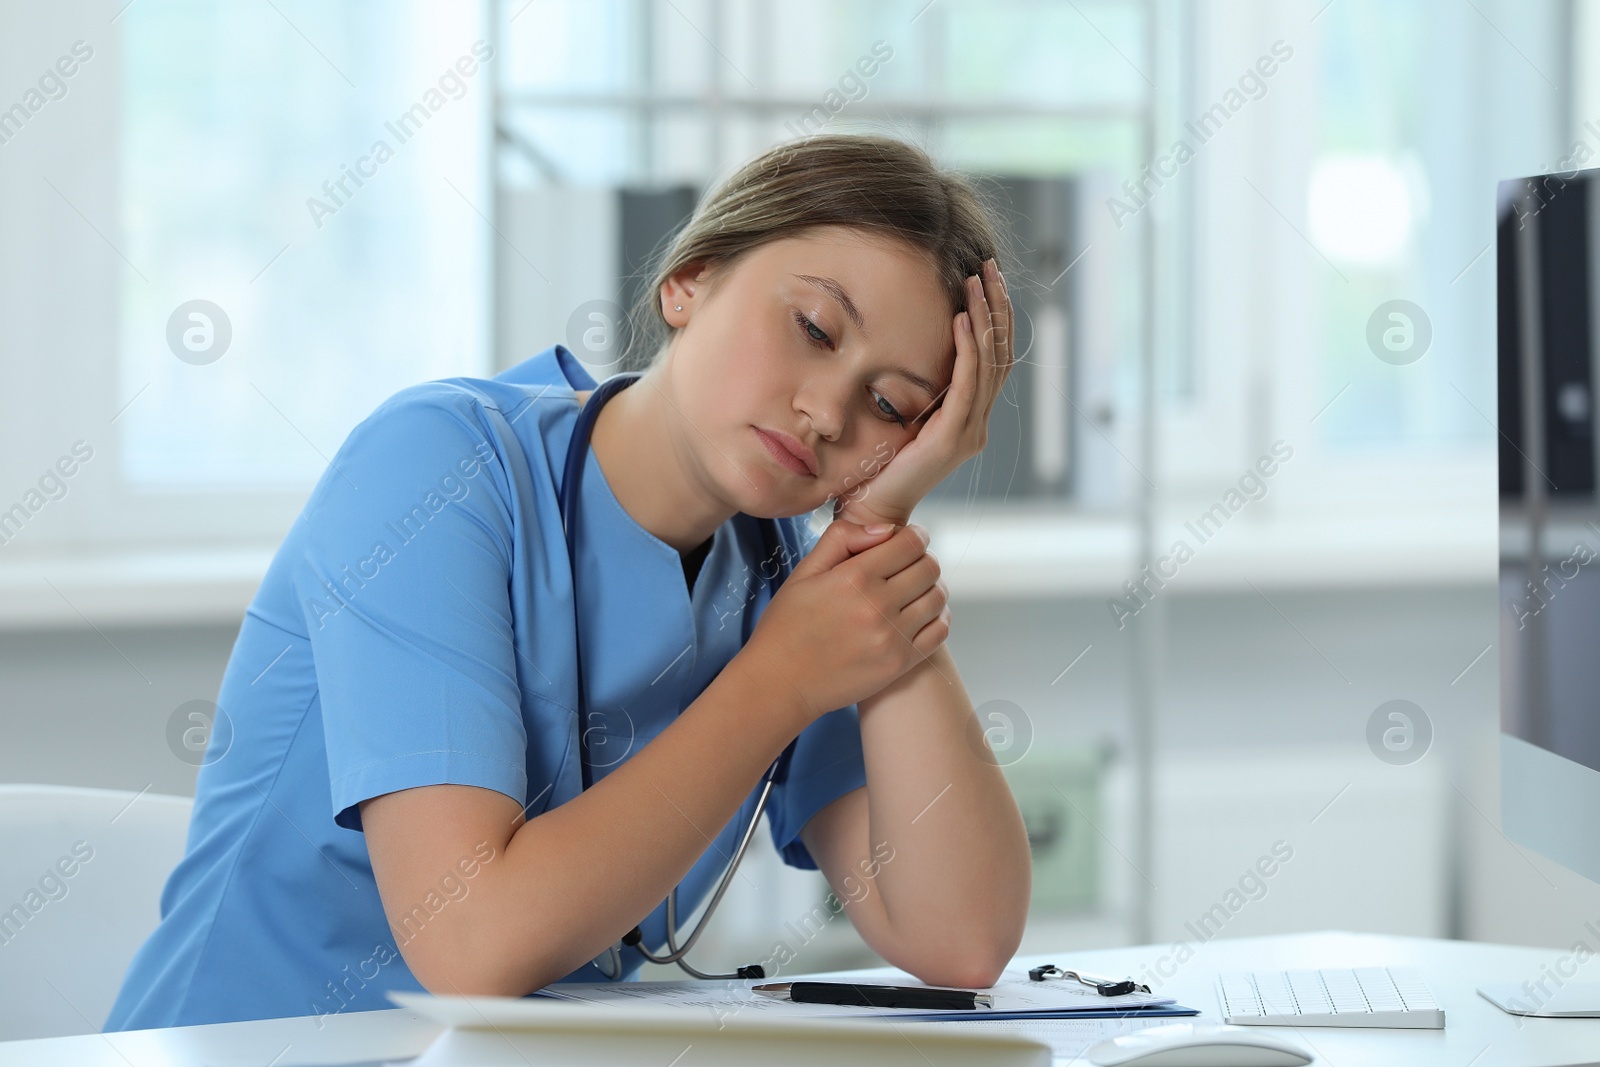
x,y
1476,1034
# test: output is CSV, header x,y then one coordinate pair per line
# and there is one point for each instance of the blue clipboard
x,y
1166,1011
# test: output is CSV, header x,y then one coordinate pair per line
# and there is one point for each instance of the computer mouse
x,y
1197,1045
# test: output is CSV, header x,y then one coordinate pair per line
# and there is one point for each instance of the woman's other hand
x,y
958,429
860,610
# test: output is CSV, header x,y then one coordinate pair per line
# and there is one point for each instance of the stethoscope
x,y
772,548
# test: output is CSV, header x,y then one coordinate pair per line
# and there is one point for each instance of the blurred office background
x,y
1201,366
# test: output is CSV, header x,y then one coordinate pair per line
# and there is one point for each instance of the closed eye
x,y
813,332
816,336
886,409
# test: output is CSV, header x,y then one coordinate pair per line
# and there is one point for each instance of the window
x,y
1416,129
315,175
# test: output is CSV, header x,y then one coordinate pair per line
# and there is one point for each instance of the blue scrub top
x,y
416,628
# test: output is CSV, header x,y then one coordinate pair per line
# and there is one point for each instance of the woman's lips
x,y
782,452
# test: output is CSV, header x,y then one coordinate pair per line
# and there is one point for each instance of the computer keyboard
x,y
1365,996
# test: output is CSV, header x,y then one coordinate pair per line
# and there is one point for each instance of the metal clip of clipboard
x,y
1106,987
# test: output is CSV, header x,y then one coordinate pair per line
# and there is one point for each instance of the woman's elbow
x,y
459,968
969,964
968,971
448,975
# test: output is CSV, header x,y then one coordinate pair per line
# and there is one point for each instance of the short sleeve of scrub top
x,y
405,597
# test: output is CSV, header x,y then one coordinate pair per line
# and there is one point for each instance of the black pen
x,y
876,996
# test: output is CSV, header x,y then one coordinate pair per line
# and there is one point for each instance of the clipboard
x,y
516,1031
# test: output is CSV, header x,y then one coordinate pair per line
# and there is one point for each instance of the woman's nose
x,y
826,417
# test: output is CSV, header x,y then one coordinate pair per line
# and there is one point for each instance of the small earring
x,y
677,307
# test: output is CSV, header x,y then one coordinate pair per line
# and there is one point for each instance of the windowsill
x,y
136,587
998,554
1031,555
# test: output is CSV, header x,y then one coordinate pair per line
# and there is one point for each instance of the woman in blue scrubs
x,y
401,803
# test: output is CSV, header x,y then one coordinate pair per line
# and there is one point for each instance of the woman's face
x,y
836,341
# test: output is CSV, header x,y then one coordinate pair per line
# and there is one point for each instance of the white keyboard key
x,y
1363,996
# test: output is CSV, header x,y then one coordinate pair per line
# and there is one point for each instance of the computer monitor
x,y
1547,236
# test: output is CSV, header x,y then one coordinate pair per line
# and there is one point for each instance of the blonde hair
x,y
867,182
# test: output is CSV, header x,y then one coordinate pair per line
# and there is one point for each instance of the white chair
x,y
81,872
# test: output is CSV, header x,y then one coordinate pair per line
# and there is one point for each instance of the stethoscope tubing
x,y
577,451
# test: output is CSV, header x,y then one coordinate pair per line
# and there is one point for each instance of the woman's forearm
x,y
566,884
587,870
955,896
